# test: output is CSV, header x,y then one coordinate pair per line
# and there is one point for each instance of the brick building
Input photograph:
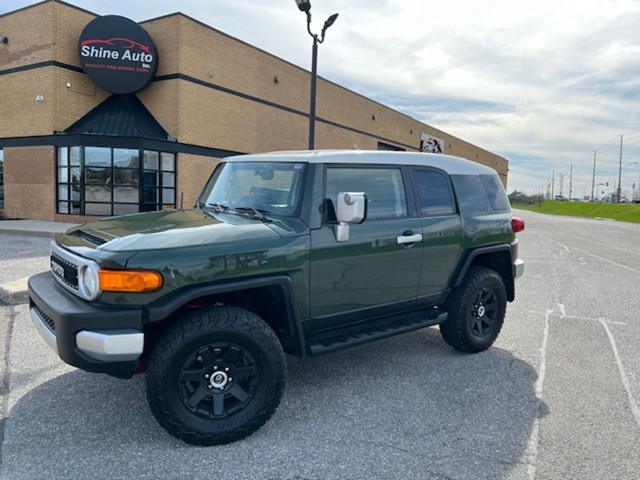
x,y
70,150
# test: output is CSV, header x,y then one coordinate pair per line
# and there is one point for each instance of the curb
x,y
28,233
14,292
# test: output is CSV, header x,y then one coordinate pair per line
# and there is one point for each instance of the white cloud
x,y
542,83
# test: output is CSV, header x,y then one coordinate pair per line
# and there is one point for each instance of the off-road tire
x,y
215,376
476,311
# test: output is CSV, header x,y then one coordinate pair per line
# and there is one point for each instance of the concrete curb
x,y
15,292
28,233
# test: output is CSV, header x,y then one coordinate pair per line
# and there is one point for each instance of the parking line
x,y
625,381
535,432
590,254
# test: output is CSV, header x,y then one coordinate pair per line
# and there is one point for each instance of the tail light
x,y
517,224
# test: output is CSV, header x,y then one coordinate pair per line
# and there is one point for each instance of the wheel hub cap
x,y
219,380
481,311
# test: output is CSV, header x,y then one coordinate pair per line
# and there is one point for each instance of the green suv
x,y
301,253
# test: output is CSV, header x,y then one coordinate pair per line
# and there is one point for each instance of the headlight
x,y
88,282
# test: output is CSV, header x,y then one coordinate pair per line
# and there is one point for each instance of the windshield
x,y
269,187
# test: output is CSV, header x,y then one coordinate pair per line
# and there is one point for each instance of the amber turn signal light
x,y
137,281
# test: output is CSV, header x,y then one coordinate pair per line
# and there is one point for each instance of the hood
x,y
162,230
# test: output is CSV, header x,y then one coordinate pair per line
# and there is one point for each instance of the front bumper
x,y
91,337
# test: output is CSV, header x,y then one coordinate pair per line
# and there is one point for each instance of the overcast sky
x,y
544,83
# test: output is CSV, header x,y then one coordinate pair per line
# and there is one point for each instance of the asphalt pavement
x,y
555,398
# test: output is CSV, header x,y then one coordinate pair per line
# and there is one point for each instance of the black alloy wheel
x,y
218,380
483,313
216,376
476,311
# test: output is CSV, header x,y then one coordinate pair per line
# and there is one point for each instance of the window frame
x,y
112,205
454,203
406,182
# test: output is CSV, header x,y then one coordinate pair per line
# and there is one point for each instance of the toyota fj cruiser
x,y
301,253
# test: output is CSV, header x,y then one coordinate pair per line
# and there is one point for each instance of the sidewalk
x,y
39,228
15,291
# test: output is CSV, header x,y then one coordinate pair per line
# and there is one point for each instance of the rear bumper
x,y
91,337
518,268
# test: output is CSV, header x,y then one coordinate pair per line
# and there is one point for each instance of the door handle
x,y
404,239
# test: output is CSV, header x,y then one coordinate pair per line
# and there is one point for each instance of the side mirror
x,y
351,208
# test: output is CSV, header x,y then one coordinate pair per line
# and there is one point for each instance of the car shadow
x,y
405,407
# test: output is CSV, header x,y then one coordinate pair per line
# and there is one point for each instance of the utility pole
x,y
571,183
620,172
553,183
561,182
593,182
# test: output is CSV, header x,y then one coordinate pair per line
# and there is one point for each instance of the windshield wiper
x,y
255,212
218,207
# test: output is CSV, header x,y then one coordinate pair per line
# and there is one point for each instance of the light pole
x,y
305,6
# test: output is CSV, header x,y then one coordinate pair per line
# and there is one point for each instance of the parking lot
x,y
557,397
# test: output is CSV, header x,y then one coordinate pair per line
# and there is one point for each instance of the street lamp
x,y
305,6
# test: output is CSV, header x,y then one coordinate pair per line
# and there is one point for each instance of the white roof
x,y
449,163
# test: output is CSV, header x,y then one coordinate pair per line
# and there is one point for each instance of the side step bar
x,y
369,331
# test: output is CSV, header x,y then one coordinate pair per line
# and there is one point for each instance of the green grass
x,y
623,212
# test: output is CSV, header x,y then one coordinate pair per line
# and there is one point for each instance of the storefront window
x,y
113,181
1,178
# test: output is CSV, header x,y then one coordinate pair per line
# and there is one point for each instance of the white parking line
x,y
623,375
567,249
534,439
532,447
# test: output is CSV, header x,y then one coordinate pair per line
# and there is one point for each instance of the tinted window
x,y
495,192
472,197
383,186
434,192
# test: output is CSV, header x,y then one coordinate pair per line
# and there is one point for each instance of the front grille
x,y
67,267
64,271
48,320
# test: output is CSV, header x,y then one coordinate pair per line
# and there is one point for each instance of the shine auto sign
x,y
117,54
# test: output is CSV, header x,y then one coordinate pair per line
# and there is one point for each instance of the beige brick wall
x,y
193,173
29,182
30,34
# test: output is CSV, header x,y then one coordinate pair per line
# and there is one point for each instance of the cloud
x,y
543,84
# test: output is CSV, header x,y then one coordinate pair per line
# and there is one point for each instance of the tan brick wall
x,y
193,173
162,100
68,24
30,34
29,182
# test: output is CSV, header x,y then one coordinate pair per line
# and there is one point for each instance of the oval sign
x,y
117,54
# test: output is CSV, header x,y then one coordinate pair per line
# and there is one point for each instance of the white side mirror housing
x,y
351,208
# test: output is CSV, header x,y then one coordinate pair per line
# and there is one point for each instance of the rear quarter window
x,y
495,192
480,194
